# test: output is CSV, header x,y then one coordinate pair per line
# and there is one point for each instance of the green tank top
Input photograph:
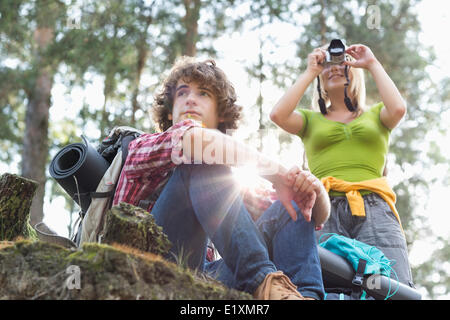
x,y
352,152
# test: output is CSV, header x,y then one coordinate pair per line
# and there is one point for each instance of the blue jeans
x,y
292,248
201,202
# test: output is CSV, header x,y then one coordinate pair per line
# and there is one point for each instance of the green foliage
x,y
130,44
433,273
10,114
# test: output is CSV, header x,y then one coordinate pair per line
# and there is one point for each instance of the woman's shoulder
x,y
376,107
308,112
374,112
308,117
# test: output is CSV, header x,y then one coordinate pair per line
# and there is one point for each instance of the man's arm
x,y
209,146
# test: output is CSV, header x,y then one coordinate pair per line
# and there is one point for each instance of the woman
x,y
346,145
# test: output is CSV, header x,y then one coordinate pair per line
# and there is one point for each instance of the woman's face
x,y
334,77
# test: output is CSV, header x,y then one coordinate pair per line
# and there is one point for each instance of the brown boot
x,y
277,286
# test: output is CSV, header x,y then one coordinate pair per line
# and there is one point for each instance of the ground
x,y
40,270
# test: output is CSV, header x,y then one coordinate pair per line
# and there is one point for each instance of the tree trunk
x,y
260,99
323,24
35,141
191,18
16,195
132,226
142,57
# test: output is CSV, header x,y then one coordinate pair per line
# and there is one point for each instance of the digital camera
x,y
335,53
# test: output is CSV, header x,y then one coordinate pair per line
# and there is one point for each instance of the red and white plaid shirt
x,y
150,161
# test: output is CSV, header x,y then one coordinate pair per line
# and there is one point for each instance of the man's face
x,y
192,101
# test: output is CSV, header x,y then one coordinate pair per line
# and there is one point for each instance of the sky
x,y
434,16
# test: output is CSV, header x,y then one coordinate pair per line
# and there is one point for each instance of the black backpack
x,y
80,169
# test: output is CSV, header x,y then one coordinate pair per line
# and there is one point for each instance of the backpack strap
x,y
358,279
89,195
125,142
144,203
102,194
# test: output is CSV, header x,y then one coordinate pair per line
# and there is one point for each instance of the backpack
x,y
114,148
90,177
365,261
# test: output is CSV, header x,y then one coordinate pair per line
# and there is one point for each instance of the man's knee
x,y
276,217
300,218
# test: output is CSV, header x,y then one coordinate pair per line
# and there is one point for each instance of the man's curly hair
x,y
206,74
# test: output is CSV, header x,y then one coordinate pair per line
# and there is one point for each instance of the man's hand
x,y
305,202
285,194
300,186
306,188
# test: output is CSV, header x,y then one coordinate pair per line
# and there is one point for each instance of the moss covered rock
x,y
16,195
40,270
132,226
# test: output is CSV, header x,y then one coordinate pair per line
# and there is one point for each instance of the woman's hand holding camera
x,y
364,57
315,61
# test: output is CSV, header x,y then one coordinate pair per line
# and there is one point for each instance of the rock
x,y
16,195
135,227
41,270
127,265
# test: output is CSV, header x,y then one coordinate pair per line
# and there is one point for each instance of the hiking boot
x,y
277,286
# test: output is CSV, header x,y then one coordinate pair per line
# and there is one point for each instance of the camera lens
x,y
336,52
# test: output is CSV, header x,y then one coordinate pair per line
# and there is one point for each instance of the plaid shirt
x,y
149,164
150,161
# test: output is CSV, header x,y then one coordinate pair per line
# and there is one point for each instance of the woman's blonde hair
x,y
356,90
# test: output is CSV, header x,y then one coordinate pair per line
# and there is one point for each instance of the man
x,y
182,176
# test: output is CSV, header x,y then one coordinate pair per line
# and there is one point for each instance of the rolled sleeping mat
x,y
338,272
78,169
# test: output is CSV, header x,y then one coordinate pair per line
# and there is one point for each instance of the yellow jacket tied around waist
x,y
380,186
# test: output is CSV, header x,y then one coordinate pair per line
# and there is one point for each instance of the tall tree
x,y
190,22
27,41
13,33
35,142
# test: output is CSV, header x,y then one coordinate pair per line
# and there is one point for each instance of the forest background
x,y
77,67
